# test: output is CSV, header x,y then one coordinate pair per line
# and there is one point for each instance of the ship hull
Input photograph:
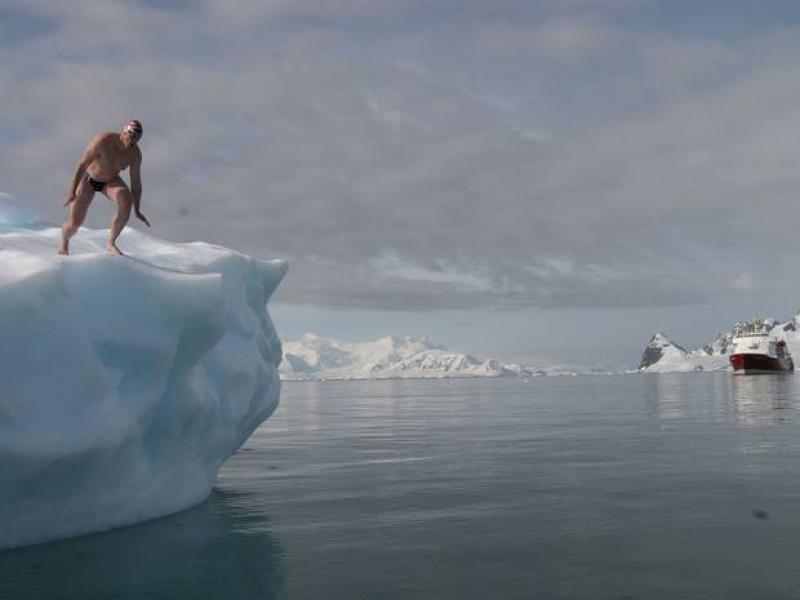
x,y
746,364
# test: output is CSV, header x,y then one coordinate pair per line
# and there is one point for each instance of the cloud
x,y
404,163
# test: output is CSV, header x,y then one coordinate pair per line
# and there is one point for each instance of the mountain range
x,y
315,358
312,357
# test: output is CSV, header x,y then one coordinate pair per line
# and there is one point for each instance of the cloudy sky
x,y
528,179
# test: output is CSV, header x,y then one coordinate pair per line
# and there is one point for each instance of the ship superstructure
x,y
757,352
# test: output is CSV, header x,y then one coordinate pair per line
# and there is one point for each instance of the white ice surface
x,y
126,381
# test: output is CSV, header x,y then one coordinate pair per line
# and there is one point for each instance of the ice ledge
x,y
125,381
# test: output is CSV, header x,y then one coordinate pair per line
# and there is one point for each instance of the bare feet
x,y
64,249
111,247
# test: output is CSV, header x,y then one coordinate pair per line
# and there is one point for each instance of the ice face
x,y
125,382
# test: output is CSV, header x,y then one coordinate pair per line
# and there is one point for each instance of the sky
x,y
545,181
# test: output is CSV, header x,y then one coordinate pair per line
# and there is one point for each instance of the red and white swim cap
x,y
133,126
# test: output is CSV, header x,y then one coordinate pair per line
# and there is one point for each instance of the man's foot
x,y
112,247
64,249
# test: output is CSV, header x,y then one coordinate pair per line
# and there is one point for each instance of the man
x,y
98,171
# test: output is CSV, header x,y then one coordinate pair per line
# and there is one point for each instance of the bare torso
x,y
111,158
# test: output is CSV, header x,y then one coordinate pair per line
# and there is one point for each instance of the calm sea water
x,y
615,487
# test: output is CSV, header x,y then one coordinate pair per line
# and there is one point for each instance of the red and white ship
x,y
756,352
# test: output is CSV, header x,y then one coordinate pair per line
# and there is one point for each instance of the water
x,y
617,487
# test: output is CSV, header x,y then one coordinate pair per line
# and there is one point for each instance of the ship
x,y
756,352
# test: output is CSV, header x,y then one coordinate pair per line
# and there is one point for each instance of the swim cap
x,y
133,126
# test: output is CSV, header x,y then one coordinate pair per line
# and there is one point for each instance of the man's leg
x,y
77,214
117,191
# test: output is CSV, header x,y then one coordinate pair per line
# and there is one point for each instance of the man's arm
x,y
136,186
89,155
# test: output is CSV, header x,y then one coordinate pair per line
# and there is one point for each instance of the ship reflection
x,y
215,550
764,399
751,400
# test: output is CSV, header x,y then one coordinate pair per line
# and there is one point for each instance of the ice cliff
x,y
126,381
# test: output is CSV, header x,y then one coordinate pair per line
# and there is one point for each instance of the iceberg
x,y
125,381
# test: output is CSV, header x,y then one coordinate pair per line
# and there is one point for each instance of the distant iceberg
x,y
126,381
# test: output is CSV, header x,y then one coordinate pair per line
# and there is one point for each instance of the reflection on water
x,y
751,400
215,550
762,399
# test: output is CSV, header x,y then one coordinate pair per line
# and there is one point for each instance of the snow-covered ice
x,y
126,381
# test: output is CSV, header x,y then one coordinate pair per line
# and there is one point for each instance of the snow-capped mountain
x,y
315,357
662,355
663,350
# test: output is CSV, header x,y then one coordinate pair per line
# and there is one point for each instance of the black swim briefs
x,y
97,186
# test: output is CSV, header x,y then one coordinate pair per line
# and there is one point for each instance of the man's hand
x,y
141,217
69,200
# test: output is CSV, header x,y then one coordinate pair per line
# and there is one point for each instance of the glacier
x,y
126,380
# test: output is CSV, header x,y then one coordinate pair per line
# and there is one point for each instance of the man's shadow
x,y
218,549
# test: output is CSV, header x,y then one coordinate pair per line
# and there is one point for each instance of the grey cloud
x,y
314,141
561,39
